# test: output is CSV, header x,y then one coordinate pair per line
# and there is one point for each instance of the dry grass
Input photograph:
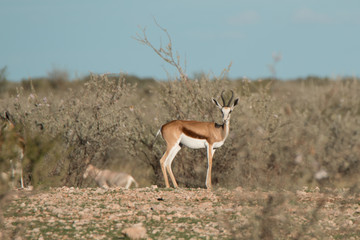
x,y
74,213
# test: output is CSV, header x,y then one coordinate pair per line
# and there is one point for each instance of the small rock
x,y
205,205
137,231
301,193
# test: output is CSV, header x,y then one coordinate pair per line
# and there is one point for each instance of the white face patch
x,y
226,113
192,142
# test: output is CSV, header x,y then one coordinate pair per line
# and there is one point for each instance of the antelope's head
x,y
88,170
226,109
6,122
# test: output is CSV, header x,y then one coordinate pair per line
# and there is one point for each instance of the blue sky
x,y
319,38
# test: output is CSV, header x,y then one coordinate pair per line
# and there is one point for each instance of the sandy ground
x,y
155,213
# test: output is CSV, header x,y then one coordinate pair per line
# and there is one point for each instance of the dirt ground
x,y
155,213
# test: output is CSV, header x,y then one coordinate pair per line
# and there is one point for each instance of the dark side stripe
x,y
192,134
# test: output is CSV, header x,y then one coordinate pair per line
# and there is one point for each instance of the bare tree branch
x,y
166,53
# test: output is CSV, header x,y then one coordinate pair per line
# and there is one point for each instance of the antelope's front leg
x,y
210,153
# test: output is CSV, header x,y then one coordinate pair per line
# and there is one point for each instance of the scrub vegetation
x,y
286,139
284,133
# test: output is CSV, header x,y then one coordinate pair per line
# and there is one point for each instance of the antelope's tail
x,y
157,134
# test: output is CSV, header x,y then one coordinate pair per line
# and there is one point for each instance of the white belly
x,y
218,144
192,142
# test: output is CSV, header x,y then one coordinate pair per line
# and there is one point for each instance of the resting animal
x,y
106,178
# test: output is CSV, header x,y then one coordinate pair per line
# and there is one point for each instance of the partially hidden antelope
x,y
106,178
12,145
196,135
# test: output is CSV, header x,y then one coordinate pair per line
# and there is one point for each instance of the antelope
x,y
195,135
106,178
12,143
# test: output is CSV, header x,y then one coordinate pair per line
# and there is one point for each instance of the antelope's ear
x,y
217,103
235,103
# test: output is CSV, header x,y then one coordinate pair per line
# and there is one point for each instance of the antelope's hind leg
x,y
163,169
168,162
20,168
128,183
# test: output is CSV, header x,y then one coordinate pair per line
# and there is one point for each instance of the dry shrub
x,y
86,122
282,134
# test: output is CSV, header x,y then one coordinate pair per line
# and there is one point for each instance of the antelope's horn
x,y
222,97
232,96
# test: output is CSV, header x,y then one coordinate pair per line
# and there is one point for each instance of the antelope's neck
x,y
226,129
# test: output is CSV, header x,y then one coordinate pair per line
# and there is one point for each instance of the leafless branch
x,y
166,53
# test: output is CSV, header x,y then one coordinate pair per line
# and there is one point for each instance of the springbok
x,y
196,135
106,178
13,145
